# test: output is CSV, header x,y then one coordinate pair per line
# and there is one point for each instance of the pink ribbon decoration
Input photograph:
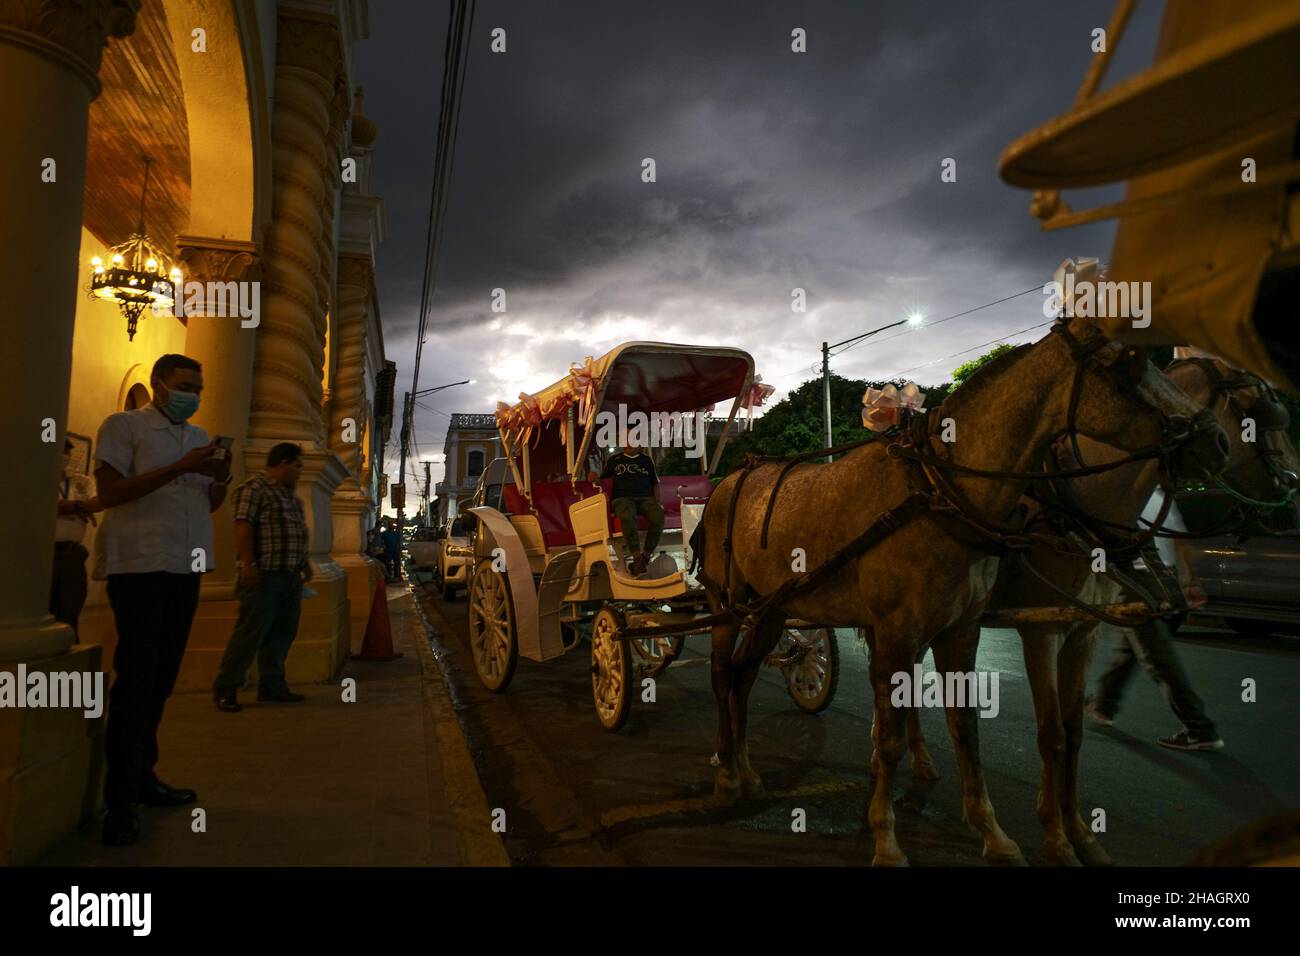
x,y
583,383
758,394
883,408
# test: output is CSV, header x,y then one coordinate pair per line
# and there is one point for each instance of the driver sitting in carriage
x,y
635,492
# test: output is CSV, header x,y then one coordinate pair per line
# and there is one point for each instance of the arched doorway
x,y
136,397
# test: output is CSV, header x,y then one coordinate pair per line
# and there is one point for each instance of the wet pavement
x,y
574,793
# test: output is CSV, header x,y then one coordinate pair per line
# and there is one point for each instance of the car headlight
x,y
459,552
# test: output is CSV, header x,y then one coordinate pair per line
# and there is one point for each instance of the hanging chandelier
x,y
135,274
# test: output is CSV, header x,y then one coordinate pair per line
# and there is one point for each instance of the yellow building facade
x,y
259,158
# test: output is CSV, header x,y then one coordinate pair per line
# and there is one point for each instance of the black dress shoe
x,y
121,829
158,794
227,702
285,696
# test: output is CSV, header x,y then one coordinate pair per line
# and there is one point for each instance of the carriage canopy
x,y
556,423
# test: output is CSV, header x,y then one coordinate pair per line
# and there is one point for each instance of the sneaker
x,y
1097,715
638,564
1185,741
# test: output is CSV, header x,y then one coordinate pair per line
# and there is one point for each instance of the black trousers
x,y
153,613
68,585
1151,647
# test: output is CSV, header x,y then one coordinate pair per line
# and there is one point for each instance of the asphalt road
x,y
575,793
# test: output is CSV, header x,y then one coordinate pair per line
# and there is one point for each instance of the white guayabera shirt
x,y
160,531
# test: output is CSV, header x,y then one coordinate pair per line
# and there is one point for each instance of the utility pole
x,y
914,320
401,470
408,413
428,519
826,396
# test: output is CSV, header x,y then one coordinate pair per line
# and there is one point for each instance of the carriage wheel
x,y
812,678
611,670
657,653
493,642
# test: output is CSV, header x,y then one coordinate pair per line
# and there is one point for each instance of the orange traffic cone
x,y
377,645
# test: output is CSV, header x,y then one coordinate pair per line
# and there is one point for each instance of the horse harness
x,y
936,496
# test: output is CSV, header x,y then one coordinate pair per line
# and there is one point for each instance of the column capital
x,y
309,44
74,33
224,259
356,271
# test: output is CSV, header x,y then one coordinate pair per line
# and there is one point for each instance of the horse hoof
x,y
751,788
726,791
889,859
1090,852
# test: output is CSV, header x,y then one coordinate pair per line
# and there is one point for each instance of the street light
x,y
914,319
408,412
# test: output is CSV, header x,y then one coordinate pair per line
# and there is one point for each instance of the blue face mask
x,y
180,405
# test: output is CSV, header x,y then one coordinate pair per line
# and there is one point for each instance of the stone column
x,y
289,352
49,64
352,502
224,346
290,343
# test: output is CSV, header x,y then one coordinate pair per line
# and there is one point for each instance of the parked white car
x,y
453,562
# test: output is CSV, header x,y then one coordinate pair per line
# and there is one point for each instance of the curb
x,y
478,844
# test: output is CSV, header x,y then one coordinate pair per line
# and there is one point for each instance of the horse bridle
x,y
1125,369
1269,416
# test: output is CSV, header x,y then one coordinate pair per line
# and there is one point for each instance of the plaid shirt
x,y
279,526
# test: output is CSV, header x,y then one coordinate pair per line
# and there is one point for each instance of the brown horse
x,y
1058,656
925,583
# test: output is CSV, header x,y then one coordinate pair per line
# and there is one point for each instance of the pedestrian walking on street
x,y
159,481
77,508
271,541
393,550
635,492
1151,645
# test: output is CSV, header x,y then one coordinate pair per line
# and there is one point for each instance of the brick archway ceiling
x,y
141,112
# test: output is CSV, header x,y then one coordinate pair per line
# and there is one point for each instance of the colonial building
x,y
248,119
470,445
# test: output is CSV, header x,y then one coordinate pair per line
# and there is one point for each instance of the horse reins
x,y
941,498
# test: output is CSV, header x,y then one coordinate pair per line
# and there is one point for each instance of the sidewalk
x,y
384,781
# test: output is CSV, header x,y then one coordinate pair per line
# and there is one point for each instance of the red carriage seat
x,y
551,499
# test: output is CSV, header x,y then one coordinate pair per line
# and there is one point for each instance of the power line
x,y
972,348
815,369
946,318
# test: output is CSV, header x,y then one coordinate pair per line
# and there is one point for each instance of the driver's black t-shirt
x,y
634,475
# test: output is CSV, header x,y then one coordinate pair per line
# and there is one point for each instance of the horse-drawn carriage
x,y
548,568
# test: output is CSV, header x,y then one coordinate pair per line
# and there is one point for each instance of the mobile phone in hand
x,y
224,444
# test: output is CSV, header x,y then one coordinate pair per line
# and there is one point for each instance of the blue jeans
x,y
267,625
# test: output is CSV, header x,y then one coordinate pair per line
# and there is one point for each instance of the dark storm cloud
x,y
775,170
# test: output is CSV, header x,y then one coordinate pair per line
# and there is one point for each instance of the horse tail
x,y
697,548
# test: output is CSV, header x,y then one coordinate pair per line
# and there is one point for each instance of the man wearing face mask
x,y
158,481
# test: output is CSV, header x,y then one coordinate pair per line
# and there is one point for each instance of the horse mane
x,y
972,388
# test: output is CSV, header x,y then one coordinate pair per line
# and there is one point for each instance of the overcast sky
x,y
775,170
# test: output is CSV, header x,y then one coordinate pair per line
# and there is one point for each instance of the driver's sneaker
x,y
638,564
1185,741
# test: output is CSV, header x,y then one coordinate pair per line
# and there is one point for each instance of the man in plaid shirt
x,y
271,541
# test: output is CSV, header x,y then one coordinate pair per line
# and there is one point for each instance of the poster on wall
x,y
81,445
